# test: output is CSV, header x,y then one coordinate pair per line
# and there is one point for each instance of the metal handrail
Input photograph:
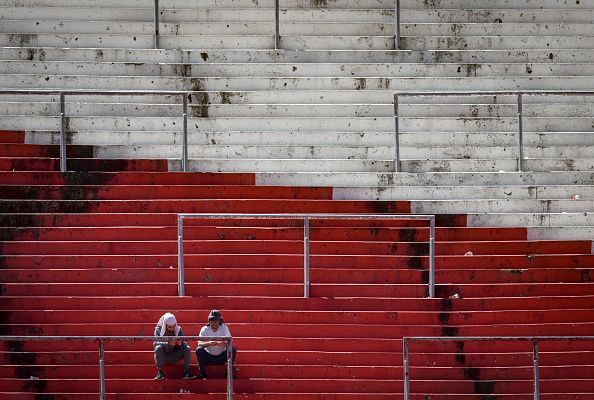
x,y
517,93
306,218
103,339
64,93
397,42
533,339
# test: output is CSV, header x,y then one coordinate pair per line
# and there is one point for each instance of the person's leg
x,y
160,358
187,358
201,356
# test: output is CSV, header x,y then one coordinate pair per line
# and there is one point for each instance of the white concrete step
x,y
496,42
278,84
497,206
564,219
385,42
267,28
37,53
304,138
369,4
366,70
426,179
309,15
411,4
331,151
296,124
585,192
75,108
361,165
562,233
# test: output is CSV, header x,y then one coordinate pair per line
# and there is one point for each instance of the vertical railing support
x,y
185,133
396,135
230,369
180,258
536,378
520,135
156,24
276,25
62,132
432,257
306,257
406,370
101,370
397,25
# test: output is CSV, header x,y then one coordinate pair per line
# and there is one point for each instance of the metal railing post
x,y
520,135
180,258
396,136
185,133
230,369
432,257
306,257
397,25
156,24
406,370
276,25
62,132
101,370
536,378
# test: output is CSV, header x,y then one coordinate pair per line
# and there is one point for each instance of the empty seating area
x,y
308,128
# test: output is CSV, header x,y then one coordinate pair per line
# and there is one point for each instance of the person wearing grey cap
x,y
213,352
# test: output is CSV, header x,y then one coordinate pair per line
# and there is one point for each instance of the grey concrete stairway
x,y
319,111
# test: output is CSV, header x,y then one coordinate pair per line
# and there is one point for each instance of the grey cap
x,y
215,314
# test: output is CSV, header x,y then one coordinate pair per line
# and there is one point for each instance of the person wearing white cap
x,y
213,352
170,352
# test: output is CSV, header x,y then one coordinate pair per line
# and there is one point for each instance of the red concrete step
x,y
204,206
300,396
387,318
12,136
292,303
375,345
295,247
22,150
215,289
141,192
249,371
213,385
330,330
305,386
245,371
81,164
296,290
295,275
26,218
418,362
325,345
126,178
509,262
400,234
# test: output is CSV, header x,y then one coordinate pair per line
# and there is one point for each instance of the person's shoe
x,y
160,376
202,376
188,375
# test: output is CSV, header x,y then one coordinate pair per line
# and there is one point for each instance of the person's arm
x,y
156,334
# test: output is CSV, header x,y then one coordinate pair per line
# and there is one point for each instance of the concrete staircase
x,y
320,109
94,253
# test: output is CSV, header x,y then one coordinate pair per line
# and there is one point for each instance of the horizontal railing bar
x,y
501,92
110,338
101,92
310,216
488,338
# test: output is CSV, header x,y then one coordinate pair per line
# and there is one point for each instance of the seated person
x,y
213,352
170,352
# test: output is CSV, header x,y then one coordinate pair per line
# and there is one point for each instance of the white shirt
x,y
222,331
